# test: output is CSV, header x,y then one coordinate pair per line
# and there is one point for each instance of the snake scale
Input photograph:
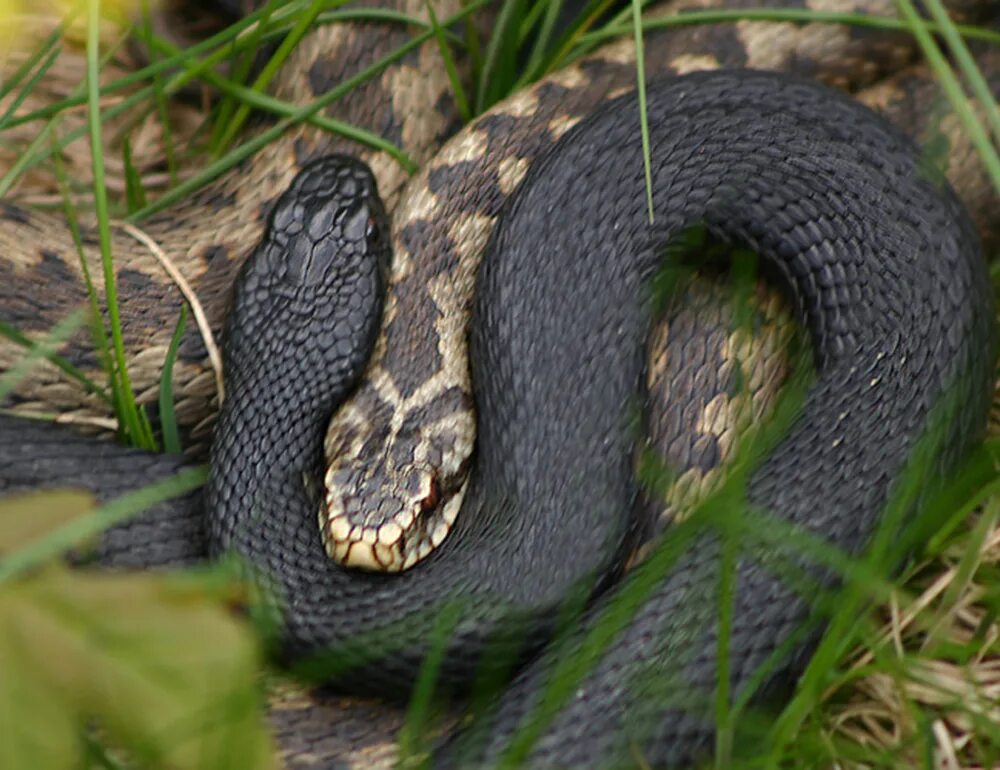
x,y
465,169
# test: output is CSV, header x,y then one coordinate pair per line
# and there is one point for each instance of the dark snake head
x,y
308,303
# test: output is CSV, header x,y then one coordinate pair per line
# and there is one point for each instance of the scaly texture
x,y
841,213
777,45
886,272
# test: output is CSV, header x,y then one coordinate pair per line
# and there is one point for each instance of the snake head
x,y
392,493
328,220
309,298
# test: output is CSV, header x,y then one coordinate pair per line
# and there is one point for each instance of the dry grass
x,y
944,637
147,137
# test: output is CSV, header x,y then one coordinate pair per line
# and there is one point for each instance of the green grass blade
x,y
412,741
294,114
973,485
640,76
101,344
41,351
131,422
55,359
461,100
133,104
952,90
160,95
544,37
242,61
43,67
168,419
980,88
474,54
24,160
152,70
561,51
195,68
302,26
967,566
501,51
46,50
382,15
247,149
135,195
83,528
727,579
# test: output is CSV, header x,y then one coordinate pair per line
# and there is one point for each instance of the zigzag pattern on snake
x,y
499,133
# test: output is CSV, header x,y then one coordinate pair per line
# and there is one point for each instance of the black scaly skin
x,y
39,455
886,272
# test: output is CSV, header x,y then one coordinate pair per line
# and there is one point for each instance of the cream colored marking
x,y
417,553
620,52
389,533
511,171
388,557
560,125
570,78
368,535
714,417
345,437
767,45
362,556
523,104
386,170
466,146
339,528
686,63
452,507
152,355
414,85
420,203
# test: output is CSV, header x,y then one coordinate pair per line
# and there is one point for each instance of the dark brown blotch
x,y
13,213
412,342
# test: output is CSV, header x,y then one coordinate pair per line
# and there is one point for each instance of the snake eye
x,y
430,502
371,229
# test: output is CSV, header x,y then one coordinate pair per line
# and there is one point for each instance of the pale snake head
x,y
396,476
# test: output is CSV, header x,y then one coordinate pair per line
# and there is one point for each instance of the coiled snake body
x,y
840,212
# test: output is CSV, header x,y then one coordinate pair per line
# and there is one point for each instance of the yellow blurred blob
x,y
21,20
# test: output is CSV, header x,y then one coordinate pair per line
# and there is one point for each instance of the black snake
x,y
842,309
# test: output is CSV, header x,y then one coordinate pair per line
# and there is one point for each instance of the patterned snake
x,y
449,211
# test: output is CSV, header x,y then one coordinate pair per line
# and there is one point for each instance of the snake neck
x,y
305,311
250,433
